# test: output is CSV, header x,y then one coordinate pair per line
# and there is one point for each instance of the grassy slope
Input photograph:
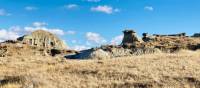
x,y
158,70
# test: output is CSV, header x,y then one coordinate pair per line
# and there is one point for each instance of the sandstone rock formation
x,y
130,39
175,35
132,45
14,48
100,54
173,43
44,43
148,38
90,54
41,38
111,51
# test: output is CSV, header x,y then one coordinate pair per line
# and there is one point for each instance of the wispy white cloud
x,y
52,30
149,8
8,35
71,6
70,32
30,8
3,12
79,47
92,0
95,38
39,24
117,40
42,26
105,9
16,29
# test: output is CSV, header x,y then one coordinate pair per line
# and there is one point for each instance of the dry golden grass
x,y
178,70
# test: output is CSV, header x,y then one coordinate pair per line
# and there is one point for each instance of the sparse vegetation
x,y
29,66
177,70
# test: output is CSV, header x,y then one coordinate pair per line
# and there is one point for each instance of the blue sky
x,y
89,23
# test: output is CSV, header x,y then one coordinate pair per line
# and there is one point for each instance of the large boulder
x,y
100,54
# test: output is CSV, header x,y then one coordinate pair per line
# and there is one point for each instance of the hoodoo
x,y
130,39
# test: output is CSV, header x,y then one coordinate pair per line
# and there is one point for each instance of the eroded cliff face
x,y
18,49
44,39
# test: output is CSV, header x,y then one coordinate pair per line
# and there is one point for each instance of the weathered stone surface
x,y
55,51
90,54
106,52
130,39
141,51
175,35
166,43
41,38
100,54
148,38
119,52
8,49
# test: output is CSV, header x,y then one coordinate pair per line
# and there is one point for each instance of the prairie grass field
x,y
161,70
